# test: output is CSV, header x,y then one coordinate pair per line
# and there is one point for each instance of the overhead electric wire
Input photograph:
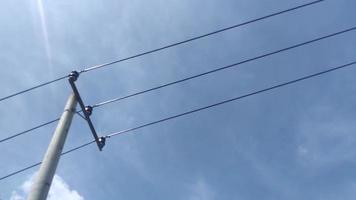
x,y
37,164
197,110
29,130
32,88
233,99
202,36
225,67
166,47
197,75
34,128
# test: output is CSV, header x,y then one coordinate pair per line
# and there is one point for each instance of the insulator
x,y
74,75
89,110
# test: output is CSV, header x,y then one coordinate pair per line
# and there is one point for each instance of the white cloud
x,y
16,196
59,190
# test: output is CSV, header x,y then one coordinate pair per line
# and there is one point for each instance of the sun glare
x,y
44,30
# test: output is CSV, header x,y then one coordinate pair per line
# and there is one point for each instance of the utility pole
x,y
42,184
40,188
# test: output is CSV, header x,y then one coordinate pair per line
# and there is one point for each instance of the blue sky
x,y
297,142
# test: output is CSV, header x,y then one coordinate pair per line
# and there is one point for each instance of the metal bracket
x,y
87,110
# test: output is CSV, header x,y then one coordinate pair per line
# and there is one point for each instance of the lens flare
x,y
44,30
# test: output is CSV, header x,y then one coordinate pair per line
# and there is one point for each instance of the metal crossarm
x,y
87,110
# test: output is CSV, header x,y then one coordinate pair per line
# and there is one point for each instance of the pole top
x,y
73,76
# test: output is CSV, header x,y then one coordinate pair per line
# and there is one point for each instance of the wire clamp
x,y
73,76
89,110
101,142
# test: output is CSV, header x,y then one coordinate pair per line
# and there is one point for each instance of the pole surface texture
x,y
40,188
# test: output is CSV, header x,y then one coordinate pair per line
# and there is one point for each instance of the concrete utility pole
x,y
40,188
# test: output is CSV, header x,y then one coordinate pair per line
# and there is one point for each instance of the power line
x,y
196,76
202,36
29,130
32,88
37,164
233,99
34,128
225,67
21,170
165,47
195,110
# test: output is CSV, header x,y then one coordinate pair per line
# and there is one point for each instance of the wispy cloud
x,y
325,137
59,190
201,190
